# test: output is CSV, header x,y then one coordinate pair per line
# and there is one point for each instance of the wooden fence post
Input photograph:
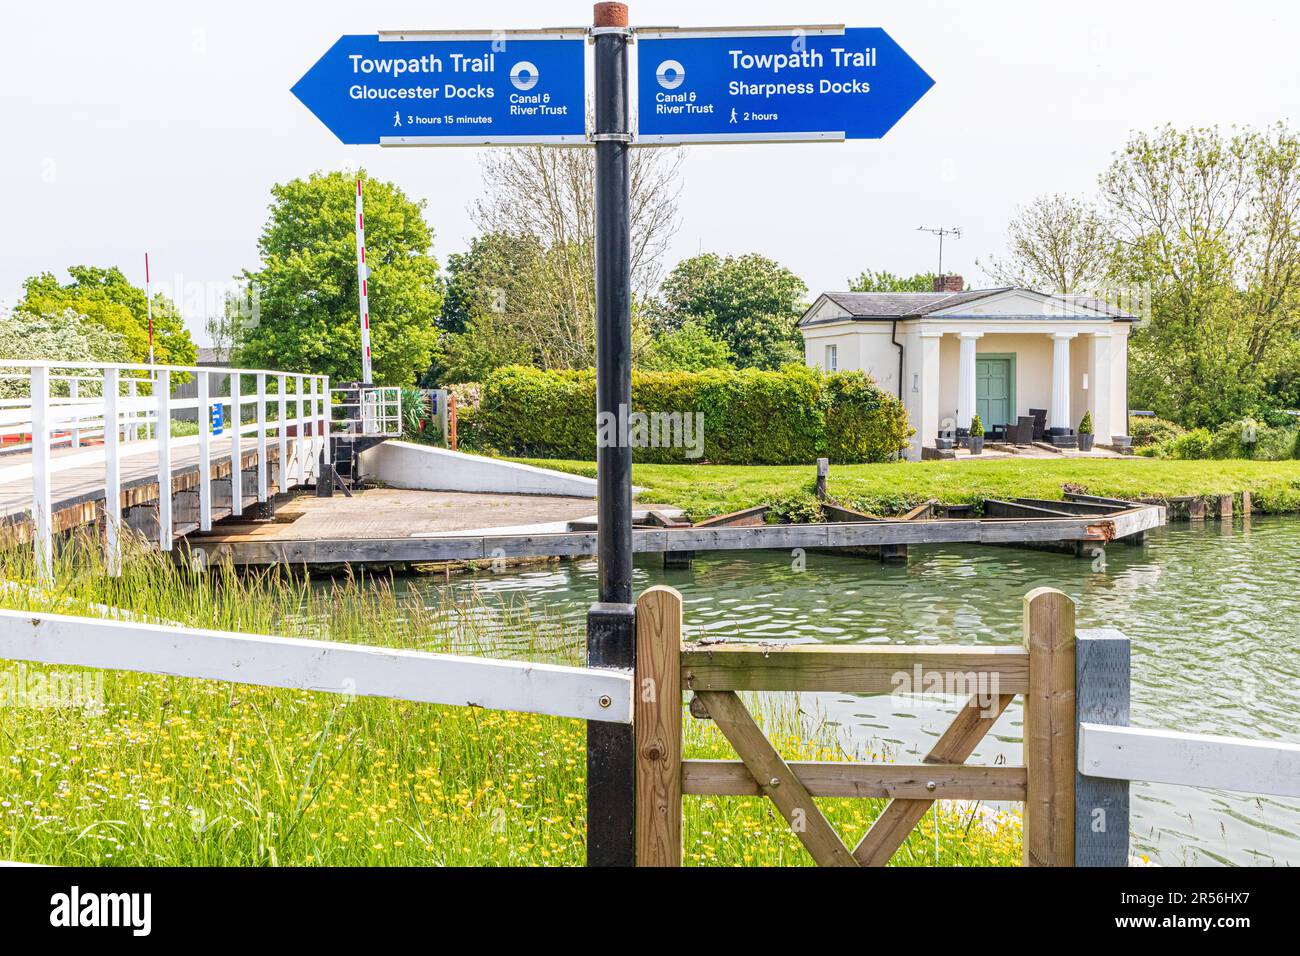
x,y
1049,729
657,723
451,420
1101,805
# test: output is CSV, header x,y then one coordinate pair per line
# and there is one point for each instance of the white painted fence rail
x,y
347,669
1194,760
104,413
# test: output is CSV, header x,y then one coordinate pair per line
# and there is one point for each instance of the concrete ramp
x,y
401,464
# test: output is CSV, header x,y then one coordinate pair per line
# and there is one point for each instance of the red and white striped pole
x,y
363,289
148,305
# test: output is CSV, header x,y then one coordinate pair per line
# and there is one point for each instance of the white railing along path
x,y
56,411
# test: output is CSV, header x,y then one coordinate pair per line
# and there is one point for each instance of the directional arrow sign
x,y
789,83
438,89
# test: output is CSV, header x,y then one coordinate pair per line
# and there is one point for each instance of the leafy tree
x,y
502,308
528,283
108,299
1210,226
1058,245
550,194
749,302
491,276
888,282
307,287
65,335
689,348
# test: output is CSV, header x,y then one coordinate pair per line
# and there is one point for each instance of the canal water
x,y
1213,612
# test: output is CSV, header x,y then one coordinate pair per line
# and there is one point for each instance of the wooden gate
x,y
1042,671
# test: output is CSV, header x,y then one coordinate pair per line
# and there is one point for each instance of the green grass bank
x,y
705,490
167,771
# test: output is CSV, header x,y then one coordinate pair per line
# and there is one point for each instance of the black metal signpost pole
x,y
611,623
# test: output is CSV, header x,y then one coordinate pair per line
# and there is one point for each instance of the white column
x,y
1099,389
966,379
1119,380
927,383
1058,415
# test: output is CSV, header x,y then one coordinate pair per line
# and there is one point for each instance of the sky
x,y
161,126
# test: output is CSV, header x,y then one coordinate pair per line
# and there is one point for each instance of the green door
x,y
993,391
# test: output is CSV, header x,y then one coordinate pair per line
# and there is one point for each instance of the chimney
x,y
948,283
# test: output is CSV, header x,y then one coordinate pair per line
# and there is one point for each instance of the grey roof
x,y
916,305
896,305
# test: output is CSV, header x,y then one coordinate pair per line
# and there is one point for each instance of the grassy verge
x,y
172,771
705,490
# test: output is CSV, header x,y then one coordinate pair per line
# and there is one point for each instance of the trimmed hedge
x,y
750,417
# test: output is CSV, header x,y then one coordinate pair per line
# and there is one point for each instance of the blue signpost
x,y
429,89
791,84
694,86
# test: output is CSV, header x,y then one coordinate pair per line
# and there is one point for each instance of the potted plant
x,y
976,435
1085,432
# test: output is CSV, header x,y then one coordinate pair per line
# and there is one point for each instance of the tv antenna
x,y
941,232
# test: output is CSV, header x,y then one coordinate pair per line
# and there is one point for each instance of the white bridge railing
x,y
368,410
67,428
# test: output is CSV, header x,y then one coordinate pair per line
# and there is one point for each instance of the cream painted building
x,y
998,352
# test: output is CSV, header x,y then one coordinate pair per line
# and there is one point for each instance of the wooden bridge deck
x,y
77,493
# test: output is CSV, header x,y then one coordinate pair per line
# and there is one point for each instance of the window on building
x,y
832,358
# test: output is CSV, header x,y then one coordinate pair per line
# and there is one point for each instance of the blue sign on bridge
x,y
769,85
413,89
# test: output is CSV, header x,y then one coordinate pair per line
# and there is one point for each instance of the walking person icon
x,y
397,118
733,114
